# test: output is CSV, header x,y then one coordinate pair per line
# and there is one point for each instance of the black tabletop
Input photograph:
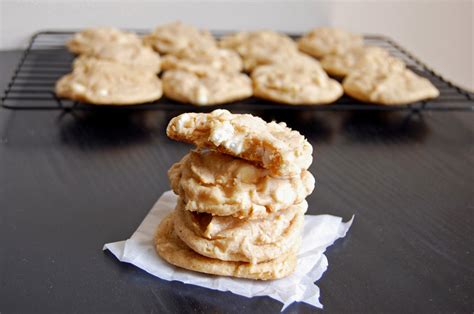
x,y
72,181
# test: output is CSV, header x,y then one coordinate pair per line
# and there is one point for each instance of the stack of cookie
x,y
241,204
370,73
113,67
197,71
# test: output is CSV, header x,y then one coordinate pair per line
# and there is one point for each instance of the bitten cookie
x,y
211,88
176,36
323,41
203,61
103,82
129,54
170,247
396,87
241,240
89,39
273,146
295,86
223,185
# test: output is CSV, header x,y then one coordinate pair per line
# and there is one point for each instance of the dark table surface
x,y
71,182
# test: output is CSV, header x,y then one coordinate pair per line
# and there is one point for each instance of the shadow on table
x,y
102,129
384,126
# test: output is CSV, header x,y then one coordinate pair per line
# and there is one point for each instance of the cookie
x,y
242,41
241,240
297,61
323,41
295,86
176,36
378,62
396,87
202,61
273,146
339,65
103,82
128,54
260,47
211,88
260,56
87,40
170,247
219,184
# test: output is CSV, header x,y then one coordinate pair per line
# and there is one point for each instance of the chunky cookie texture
x,y
340,65
219,184
241,204
203,61
273,146
139,56
88,40
246,240
323,41
396,87
102,82
295,86
261,47
172,249
205,89
174,37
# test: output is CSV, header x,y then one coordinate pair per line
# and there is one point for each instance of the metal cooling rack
x,y
46,59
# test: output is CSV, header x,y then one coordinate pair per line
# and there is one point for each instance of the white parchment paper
x,y
319,232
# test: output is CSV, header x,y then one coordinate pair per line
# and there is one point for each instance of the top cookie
x,y
89,39
273,146
323,41
176,36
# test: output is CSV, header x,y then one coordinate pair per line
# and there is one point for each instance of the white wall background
x,y
438,32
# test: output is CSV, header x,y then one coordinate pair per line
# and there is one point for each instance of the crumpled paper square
x,y
319,232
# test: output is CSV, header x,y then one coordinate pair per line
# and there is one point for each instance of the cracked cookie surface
x,y
271,145
103,82
211,88
219,184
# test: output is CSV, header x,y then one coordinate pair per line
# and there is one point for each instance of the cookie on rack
x,y
102,82
205,89
203,60
340,65
241,240
242,41
88,40
260,47
272,145
172,249
295,86
219,184
323,41
393,87
129,54
176,36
